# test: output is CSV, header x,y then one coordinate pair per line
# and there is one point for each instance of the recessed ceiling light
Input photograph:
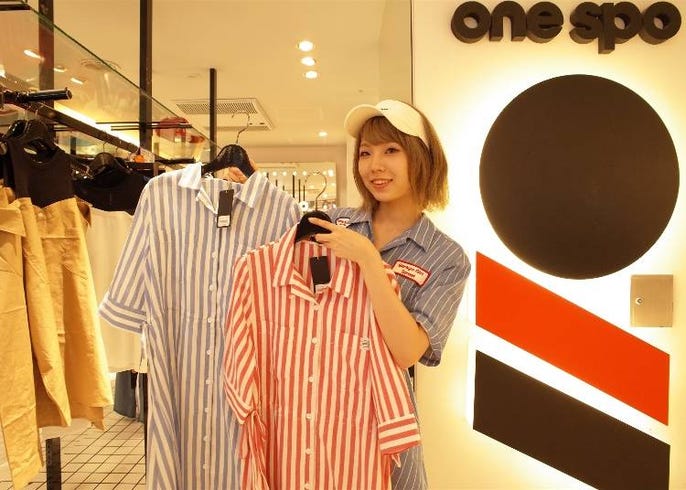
x,y
305,46
77,80
311,74
323,134
308,61
60,68
32,54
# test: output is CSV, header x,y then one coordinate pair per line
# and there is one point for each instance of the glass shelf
x,y
101,96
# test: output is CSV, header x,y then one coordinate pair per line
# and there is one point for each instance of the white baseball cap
x,y
404,117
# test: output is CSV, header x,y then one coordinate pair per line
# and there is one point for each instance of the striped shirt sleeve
x,y
240,368
240,379
397,424
435,305
124,303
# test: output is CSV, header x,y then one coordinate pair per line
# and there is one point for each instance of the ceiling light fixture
x,y
305,46
60,68
32,54
311,74
323,134
77,80
308,61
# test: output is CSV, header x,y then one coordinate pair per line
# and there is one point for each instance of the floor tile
x,y
94,459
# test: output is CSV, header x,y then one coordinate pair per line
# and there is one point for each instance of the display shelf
x,y
37,55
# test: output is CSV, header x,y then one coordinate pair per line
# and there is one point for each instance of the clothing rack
x,y
15,97
33,102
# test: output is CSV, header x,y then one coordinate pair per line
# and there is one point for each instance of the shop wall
x,y
462,88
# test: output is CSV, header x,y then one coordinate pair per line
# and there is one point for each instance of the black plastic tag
x,y
224,208
319,267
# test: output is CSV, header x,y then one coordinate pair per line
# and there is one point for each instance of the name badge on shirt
x,y
411,271
343,221
224,209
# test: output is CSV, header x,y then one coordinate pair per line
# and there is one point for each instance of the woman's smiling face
x,y
384,171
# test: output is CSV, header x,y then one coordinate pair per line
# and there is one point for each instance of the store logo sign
x,y
609,23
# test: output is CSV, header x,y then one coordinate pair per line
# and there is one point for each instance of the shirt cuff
x,y
398,434
120,315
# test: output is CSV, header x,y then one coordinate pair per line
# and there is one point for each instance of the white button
x,y
210,320
205,439
306,485
214,255
211,287
308,416
208,352
208,381
204,467
315,340
308,451
207,410
311,379
316,307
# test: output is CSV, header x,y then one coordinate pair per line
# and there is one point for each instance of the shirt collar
x,y
248,192
422,232
342,270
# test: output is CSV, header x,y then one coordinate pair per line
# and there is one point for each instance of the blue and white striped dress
x,y
431,269
173,283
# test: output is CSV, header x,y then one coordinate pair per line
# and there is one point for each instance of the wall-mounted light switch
x,y
651,300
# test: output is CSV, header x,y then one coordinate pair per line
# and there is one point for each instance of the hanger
x,y
35,138
326,183
104,161
247,124
229,156
232,155
306,230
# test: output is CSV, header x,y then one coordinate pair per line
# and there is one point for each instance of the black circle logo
x,y
579,176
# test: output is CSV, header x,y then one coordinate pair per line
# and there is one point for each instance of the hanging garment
x,y
18,400
37,165
114,188
105,240
47,335
307,372
40,169
56,244
61,228
432,270
173,282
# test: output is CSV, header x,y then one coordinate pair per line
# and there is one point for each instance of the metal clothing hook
x,y
326,182
247,124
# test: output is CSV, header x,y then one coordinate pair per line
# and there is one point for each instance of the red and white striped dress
x,y
321,402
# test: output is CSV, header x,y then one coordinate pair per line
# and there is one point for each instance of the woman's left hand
x,y
347,244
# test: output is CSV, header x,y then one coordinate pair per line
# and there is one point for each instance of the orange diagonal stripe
x,y
571,338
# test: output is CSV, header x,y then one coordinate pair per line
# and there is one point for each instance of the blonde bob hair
x,y
427,166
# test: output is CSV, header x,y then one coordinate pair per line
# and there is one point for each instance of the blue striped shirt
x,y
173,282
432,270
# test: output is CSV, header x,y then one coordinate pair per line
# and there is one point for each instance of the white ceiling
x,y
362,49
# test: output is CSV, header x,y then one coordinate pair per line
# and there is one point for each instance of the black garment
x,y
125,402
40,169
112,190
125,394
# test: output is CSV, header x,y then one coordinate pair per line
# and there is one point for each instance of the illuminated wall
x,y
463,88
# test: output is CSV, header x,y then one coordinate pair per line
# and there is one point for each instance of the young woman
x,y
401,171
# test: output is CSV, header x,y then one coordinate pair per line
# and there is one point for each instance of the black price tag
x,y
224,209
319,267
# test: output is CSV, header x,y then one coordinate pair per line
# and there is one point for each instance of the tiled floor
x,y
113,459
